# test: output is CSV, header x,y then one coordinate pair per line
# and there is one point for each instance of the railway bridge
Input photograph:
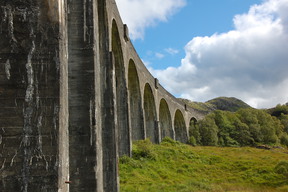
x,y
74,95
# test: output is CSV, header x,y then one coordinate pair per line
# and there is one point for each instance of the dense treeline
x,y
246,127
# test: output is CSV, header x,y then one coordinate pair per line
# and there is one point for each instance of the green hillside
x,y
220,103
228,103
174,167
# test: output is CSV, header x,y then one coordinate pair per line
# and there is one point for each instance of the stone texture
x,y
29,53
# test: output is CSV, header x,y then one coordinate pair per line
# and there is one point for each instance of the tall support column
x,y
33,95
63,135
108,118
98,101
82,111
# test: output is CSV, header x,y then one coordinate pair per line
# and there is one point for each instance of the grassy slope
x,y
174,167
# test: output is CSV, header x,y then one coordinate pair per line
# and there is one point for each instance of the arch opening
x,y
165,120
151,123
180,127
194,129
193,122
122,125
136,112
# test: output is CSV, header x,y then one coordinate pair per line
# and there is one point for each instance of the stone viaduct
x,y
74,94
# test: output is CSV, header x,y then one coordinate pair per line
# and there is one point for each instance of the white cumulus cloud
x,y
140,14
249,62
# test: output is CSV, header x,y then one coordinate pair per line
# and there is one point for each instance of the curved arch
x,y
150,115
193,121
122,124
194,130
180,127
136,112
192,126
165,120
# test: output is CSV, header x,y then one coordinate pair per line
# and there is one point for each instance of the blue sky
x,y
202,49
196,18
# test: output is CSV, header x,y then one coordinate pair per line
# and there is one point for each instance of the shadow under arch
x,y
165,120
180,127
122,125
135,100
192,127
193,122
151,124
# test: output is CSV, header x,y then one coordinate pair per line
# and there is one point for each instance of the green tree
x,y
278,110
224,121
246,127
243,135
284,121
208,131
268,127
249,117
284,139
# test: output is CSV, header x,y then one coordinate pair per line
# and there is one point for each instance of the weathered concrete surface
x,y
74,94
81,74
30,97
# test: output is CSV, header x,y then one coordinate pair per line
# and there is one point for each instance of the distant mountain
x,y
228,103
220,103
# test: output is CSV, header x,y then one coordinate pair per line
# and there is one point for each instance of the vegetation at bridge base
x,y
172,166
245,127
227,152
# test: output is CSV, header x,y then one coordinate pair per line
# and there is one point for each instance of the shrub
x,y
231,142
170,141
192,141
282,168
284,139
143,149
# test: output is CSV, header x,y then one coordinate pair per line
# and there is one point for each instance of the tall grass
x,y
175,167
